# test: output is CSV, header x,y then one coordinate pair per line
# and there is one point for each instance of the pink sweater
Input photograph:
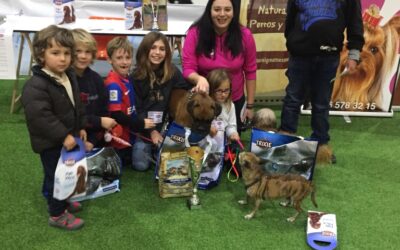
x,y
242,67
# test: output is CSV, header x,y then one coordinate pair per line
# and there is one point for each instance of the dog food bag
x,y
71,176
284,154
133,15
174,175
321,230
64,11
104,170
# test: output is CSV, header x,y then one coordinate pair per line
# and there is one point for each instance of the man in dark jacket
x,y
314,35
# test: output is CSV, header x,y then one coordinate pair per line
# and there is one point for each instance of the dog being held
x,y
193,110
260,186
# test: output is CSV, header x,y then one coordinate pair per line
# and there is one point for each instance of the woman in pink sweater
x,y
217,40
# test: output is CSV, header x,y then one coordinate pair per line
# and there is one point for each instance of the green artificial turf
x,y
362,189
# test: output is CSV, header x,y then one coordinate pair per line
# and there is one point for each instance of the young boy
x,y
54,114
92,91
121,103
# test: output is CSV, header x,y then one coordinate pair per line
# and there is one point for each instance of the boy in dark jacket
x,y
54,114
92,91
314,38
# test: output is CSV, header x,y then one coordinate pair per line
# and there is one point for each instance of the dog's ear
x,y
218,109
190,106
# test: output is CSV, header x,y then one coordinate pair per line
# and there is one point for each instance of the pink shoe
x,y
66,221
74,207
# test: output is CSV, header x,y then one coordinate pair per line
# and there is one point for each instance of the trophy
x,y
154,13
195,154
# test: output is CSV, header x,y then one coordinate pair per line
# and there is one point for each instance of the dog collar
x,y
252,184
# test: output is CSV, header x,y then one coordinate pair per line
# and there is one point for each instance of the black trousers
x,y
49,160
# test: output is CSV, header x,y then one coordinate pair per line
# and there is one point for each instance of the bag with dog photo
x,y
104,170
284,154
71,173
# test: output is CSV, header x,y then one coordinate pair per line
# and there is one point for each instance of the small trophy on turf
x,y
195,155
154,12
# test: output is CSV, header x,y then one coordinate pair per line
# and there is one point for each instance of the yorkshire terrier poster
x,y
370,87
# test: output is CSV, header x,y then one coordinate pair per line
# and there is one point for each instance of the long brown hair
x,y
144,69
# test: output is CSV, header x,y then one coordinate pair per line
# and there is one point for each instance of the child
x,y
220,91
153,79
265,119
92,91
54,114
121,102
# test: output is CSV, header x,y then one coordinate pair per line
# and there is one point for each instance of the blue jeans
x,y
141,155
309,75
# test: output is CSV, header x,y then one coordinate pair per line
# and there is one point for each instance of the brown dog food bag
x,y
174,175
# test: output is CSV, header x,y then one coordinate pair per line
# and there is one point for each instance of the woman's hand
x,y
156,137
107,123
351,65
247,115
202,85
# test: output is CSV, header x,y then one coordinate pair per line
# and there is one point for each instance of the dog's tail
x,y
312,187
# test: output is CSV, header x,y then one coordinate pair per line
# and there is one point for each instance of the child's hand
x,y
213,131
83,135
156,137
234,137
88,146
108,123
148,123
69,142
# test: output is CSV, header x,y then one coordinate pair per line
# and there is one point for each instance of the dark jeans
x,y
49,160
309,75
238,109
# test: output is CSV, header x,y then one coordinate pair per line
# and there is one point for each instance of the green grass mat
x,y
361,189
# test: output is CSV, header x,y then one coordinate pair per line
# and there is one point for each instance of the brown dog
x,y
260,186
193,110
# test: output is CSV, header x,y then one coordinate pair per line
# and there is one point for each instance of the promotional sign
x,y
155,15
266,20
367,92
64,11
133,15
371,87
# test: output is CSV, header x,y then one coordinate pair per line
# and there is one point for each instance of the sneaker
x,y
74,207
66,221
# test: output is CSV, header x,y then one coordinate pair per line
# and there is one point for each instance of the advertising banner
x,y
367,92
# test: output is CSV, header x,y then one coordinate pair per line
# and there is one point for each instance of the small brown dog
x,y
260,186
265,119
193,110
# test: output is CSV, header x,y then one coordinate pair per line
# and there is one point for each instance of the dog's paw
x,y
291,219
286,203
248,216
242,202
